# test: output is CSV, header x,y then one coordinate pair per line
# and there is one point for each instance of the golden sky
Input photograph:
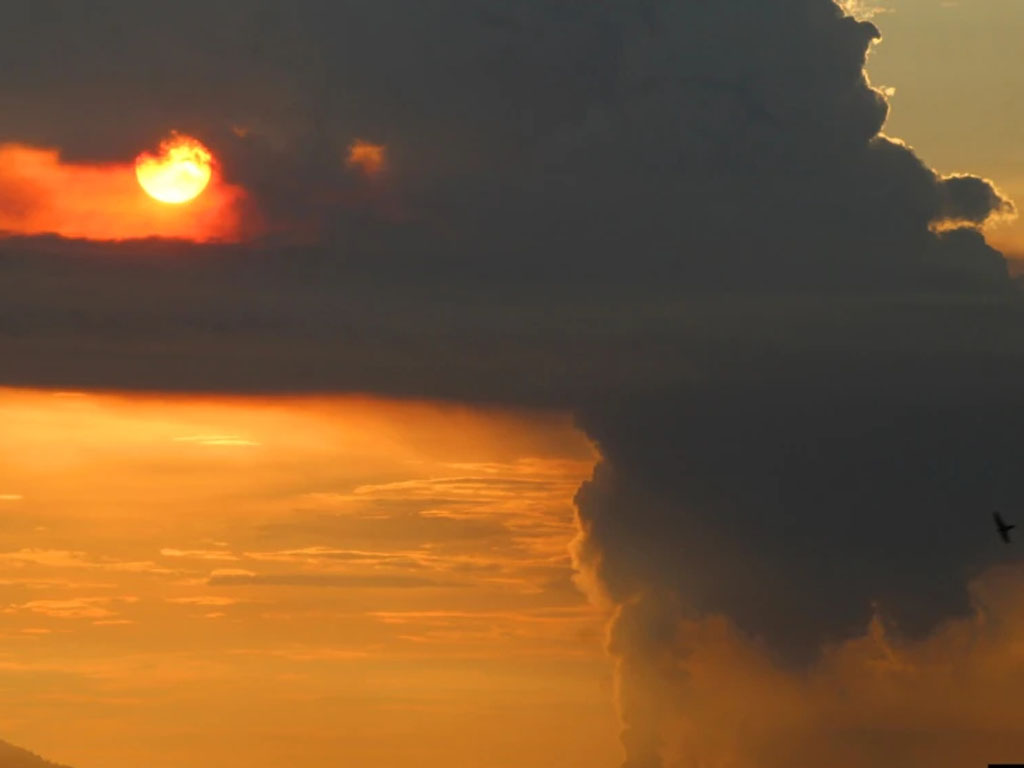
x,y
316,582
320,581
955,67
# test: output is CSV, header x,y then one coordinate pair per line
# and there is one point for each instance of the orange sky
x,y
40,193
320,581
954,70
209,582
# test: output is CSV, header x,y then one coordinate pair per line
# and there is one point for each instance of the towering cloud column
x,y
809,503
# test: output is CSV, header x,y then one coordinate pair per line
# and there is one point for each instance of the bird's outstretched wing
x,y
1002,527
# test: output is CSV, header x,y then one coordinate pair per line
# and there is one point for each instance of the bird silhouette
x,y
1003,527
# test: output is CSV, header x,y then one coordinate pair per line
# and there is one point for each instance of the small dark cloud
x,y
971,200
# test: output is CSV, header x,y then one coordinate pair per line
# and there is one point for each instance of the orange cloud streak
x,y
41,194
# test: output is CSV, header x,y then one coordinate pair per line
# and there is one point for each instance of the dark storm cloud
x,y
514,130
794,509
792,344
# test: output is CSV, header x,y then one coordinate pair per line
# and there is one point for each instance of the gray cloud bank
x,y
798,355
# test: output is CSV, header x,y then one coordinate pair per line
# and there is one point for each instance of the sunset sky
x,y
337,576
511,385
958,78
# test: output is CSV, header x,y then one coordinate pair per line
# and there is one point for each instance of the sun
x,y
178,172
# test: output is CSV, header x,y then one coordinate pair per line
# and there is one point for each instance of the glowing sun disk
x,y
179,172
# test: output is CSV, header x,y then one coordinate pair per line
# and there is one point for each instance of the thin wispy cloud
x,y
230,441
74,608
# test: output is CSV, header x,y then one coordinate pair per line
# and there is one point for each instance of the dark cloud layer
x,y
785,332
714,146
795,510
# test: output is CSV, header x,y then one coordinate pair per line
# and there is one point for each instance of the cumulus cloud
x,y
798,495
874,699
837,493
971,200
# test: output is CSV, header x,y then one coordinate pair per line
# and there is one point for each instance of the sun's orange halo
x,y
179,171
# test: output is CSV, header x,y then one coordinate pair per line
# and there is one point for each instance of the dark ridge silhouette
x,y
16,757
